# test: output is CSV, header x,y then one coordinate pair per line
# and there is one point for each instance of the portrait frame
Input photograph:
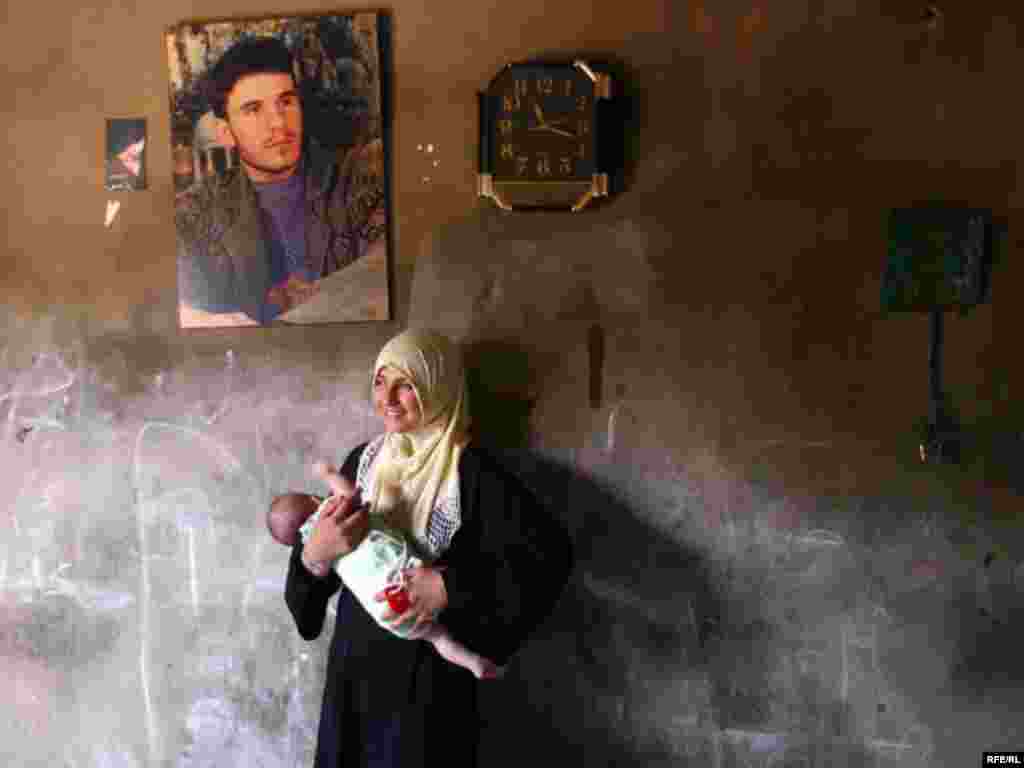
x,y
280,140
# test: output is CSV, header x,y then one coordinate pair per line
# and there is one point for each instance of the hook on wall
x,y
596,351
595,348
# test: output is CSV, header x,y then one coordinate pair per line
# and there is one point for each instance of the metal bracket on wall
x,y
942,440
485,188
598,188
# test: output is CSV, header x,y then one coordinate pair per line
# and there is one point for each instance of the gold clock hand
x,y
552,129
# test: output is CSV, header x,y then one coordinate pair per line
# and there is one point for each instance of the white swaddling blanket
x,y
375,564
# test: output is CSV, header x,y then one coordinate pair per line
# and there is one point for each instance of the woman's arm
x,y
512,566
307,594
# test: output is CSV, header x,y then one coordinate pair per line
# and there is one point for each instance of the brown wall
x,y
766,146
735,283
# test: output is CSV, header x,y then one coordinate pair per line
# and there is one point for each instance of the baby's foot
x,y
489,670
482,668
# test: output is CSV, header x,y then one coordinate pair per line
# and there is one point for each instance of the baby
x,y
375,565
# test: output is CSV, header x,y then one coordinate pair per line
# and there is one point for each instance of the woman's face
x,y
394,400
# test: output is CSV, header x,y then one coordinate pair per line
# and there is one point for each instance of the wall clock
x,y
543,136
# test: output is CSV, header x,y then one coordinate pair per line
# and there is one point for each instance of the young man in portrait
x,y
256,241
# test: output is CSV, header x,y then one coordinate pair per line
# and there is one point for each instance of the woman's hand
x,y
427,598
341,528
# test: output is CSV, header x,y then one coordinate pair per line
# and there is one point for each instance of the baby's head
x,y
287,514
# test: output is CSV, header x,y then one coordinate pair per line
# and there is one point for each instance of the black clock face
x,y
543,124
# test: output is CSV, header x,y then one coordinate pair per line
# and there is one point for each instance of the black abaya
x,y
395,703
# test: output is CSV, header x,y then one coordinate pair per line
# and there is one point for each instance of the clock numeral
x,y
543,164
583,152
511,103
566,166
522,161
545,86
584,127
520,87
505,126
507,152
581,103
568,87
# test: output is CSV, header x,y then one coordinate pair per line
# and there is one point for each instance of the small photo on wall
x,y
126,154
279,144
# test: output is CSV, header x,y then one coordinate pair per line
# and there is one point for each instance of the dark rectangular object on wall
x,y
939,258
126,154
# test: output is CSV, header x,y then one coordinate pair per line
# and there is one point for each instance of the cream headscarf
x,y
414,468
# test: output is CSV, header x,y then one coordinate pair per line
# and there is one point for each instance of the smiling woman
x,y
495,564
395,400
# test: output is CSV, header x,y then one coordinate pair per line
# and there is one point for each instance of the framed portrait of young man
x,y
279,139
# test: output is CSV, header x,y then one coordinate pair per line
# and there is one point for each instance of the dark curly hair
x,y
249,56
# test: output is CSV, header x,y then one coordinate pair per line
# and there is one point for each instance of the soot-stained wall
x,y
696,377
